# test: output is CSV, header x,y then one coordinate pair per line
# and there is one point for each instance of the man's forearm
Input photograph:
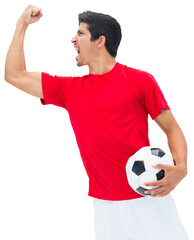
x,y
176,139
15,61
178,147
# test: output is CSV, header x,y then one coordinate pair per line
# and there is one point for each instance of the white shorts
x,y
147,218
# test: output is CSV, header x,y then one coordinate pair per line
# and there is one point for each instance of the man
x,y
108,110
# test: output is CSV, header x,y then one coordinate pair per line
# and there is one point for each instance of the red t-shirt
x,y
109,116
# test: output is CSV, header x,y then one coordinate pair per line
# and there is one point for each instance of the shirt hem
x,y
115,199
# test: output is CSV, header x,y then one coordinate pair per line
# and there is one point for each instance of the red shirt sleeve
x,y
152,96
56,90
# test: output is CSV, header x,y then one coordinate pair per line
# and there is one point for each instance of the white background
x,y
43,184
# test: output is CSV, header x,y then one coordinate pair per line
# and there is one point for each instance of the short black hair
x,y
103,25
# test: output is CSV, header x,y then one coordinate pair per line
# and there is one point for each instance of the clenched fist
x,y
30,15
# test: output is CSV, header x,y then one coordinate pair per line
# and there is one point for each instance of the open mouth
x,y
78,51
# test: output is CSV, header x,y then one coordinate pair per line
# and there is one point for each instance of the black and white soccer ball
x,y
139,168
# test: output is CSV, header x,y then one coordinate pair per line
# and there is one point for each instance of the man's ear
x,y
100,42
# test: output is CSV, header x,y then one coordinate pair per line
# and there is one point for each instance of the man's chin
x,y
80,64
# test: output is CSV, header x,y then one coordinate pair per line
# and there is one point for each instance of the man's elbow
x,y
7,77
12,77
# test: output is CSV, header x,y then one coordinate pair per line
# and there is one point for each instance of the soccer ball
x,y
139,168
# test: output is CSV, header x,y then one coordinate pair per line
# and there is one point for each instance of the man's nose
x,y
74,39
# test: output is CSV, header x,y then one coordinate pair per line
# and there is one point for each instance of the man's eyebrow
x,y
79,30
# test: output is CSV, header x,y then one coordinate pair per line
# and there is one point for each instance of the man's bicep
x,y
166,120
29,82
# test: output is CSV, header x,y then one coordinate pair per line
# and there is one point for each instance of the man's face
x,y
85,48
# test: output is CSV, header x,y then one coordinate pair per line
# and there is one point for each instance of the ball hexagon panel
x,y
142,153
167,159
152,160
134,183
146,177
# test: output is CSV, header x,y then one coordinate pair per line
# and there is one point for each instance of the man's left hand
x,y
173,175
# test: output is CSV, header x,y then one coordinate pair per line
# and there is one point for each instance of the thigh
x,y
145,218
102,211
159,219
108,221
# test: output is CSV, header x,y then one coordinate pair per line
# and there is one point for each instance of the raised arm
x,y
15,69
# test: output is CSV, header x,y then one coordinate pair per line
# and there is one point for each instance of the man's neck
x,y
102,66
